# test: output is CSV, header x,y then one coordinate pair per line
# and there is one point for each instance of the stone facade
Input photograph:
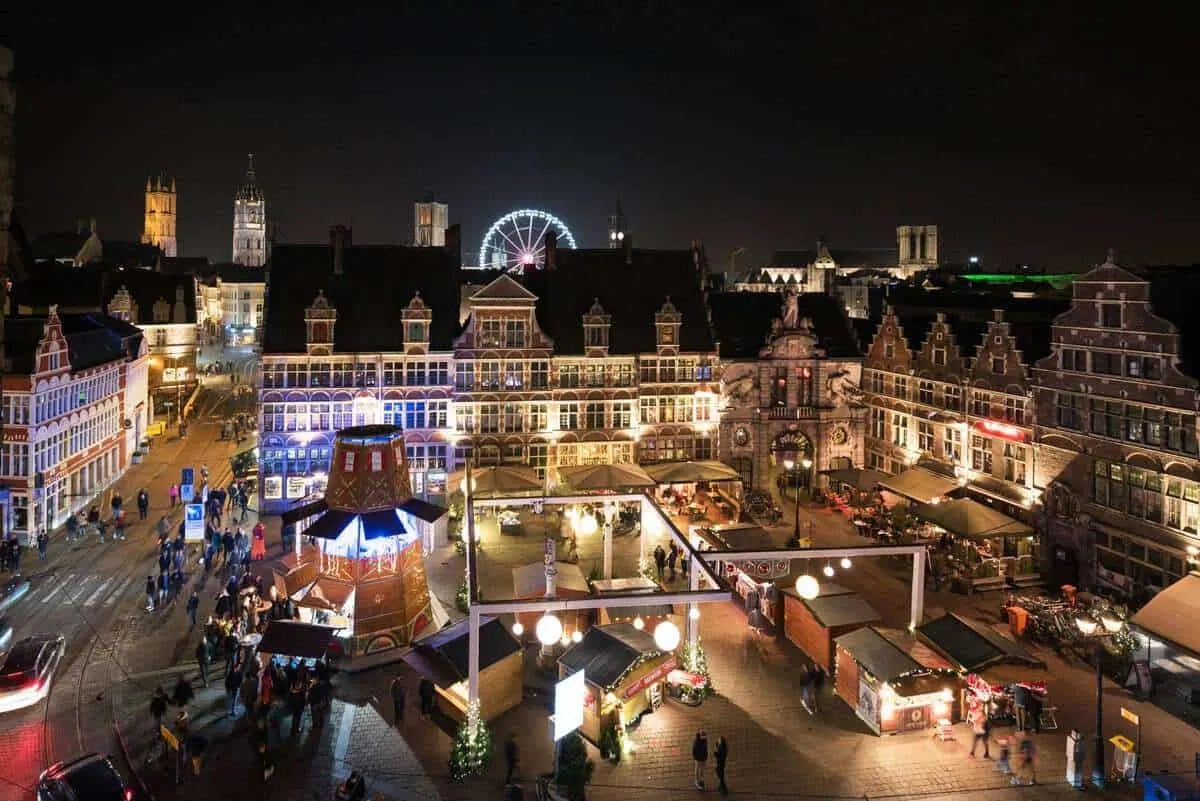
x,y
1117,441
161,214
250,247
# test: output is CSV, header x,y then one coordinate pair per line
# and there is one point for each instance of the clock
x,y
741,437
839,436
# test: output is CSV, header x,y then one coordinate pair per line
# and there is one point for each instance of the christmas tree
x,y
472,748
694,661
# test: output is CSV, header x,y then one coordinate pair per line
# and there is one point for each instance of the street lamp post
x,y
1092,630
790,465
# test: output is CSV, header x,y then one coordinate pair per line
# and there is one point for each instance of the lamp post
x,y
1092,630
789,466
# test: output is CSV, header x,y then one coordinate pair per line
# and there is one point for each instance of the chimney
x,y
340,239
551,242
627,244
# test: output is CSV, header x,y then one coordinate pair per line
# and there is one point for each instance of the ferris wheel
x,y
516,241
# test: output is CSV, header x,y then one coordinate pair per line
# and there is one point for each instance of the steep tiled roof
x,y
844,257
1173,297
90,288
60,245
375,284
632,293
92,340
743,320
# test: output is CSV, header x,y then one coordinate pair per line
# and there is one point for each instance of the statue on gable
x,y
791,311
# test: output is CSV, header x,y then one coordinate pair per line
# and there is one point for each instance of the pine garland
x,y
472,750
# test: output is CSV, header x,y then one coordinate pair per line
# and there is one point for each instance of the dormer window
x,y
667,323
998,365
319,321
596,326
1110,315
417,318
162,311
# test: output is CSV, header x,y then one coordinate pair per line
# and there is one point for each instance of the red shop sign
x,y
650,678
1002,430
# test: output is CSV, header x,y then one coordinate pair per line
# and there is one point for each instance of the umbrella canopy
x,y
605,477
689,472
505,480
863,480
971,519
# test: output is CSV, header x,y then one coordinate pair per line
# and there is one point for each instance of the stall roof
x,y
632,585
739,536
529,580
971,519
606,652
423,510
842,610
972,646
298,513
882,658
1171,614
292,638
824,589
496,642
919,484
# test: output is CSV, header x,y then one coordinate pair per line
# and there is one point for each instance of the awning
x,y
423,510
290,638
504,480
967,518
384,523
1000,490
882,659
973,646
605,477
919,484
1171,614
330,525
861,479
691,472
299,513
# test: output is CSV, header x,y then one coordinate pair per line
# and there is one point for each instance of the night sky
x,y
1035,135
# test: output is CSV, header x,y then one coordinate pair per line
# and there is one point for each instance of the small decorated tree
x,y
574,768
472,749
695,661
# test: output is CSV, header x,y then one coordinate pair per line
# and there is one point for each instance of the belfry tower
x,y
159,227
250,222
616,228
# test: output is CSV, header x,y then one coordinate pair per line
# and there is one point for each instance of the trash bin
x,y
1166,787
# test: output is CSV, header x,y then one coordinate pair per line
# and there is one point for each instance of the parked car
x,y
28,670
12,591
91,777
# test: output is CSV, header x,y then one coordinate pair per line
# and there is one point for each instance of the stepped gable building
x,y
603,356
791,370
1116,435
75,411
356,335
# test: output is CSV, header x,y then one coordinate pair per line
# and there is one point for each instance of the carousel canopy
x,y
504,480
423,510
1171,614
863,480
605,477
972,519
691,472
972,646
919,484
335,522
607,652
298,513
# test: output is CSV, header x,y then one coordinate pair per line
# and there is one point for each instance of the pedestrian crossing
x,y
81,589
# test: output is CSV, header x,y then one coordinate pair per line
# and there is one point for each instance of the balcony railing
x,y
791,413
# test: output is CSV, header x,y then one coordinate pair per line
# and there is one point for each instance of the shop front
x,y
625,675
893,683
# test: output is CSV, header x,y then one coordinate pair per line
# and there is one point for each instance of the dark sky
x,y
1043,133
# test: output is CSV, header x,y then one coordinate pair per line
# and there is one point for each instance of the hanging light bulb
x,y
807,587
549,629
845,563
577,636
666,636
827,570
518,629
694,613
638,623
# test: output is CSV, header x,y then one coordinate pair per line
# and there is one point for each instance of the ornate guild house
x,y
792,397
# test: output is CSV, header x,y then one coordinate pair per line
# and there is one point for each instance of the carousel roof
x,y
331,525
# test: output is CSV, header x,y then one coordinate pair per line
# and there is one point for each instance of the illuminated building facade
x,y
430,221
791,369
250,247
955,394
618,368
1116,437
161,215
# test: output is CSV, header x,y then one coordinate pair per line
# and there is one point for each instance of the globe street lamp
x,y
794,542
1098,633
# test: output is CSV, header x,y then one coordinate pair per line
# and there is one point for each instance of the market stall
x,y
893,682
971,646
292,639
813,625
443,659
625,674
752,579
988,548
917,484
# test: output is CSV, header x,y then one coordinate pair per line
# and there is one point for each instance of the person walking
x,y
258,546
233,683
700,757
164,588
297,698
43,541
158,706
511,755
425,690
1026,754
193,605
660,561
980,727
174,492
202,659
817,679
672,555
151,593
397,701
318,702
143,503
721,753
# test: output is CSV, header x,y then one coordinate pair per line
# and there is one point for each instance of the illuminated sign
x,y
570,696
1002,430
193,522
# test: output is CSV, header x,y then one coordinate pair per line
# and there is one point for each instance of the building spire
x,y
1112,255
250,168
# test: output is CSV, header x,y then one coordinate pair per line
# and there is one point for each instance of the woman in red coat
x,y
258,547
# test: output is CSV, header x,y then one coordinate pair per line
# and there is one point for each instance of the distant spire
x,y
250,168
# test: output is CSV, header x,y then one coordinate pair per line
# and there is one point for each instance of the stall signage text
x,y
650,678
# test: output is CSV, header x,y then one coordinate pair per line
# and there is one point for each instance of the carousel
x,y
370,584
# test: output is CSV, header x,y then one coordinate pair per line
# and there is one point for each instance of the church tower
x,y
430,221
616,228
250,222
159,228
